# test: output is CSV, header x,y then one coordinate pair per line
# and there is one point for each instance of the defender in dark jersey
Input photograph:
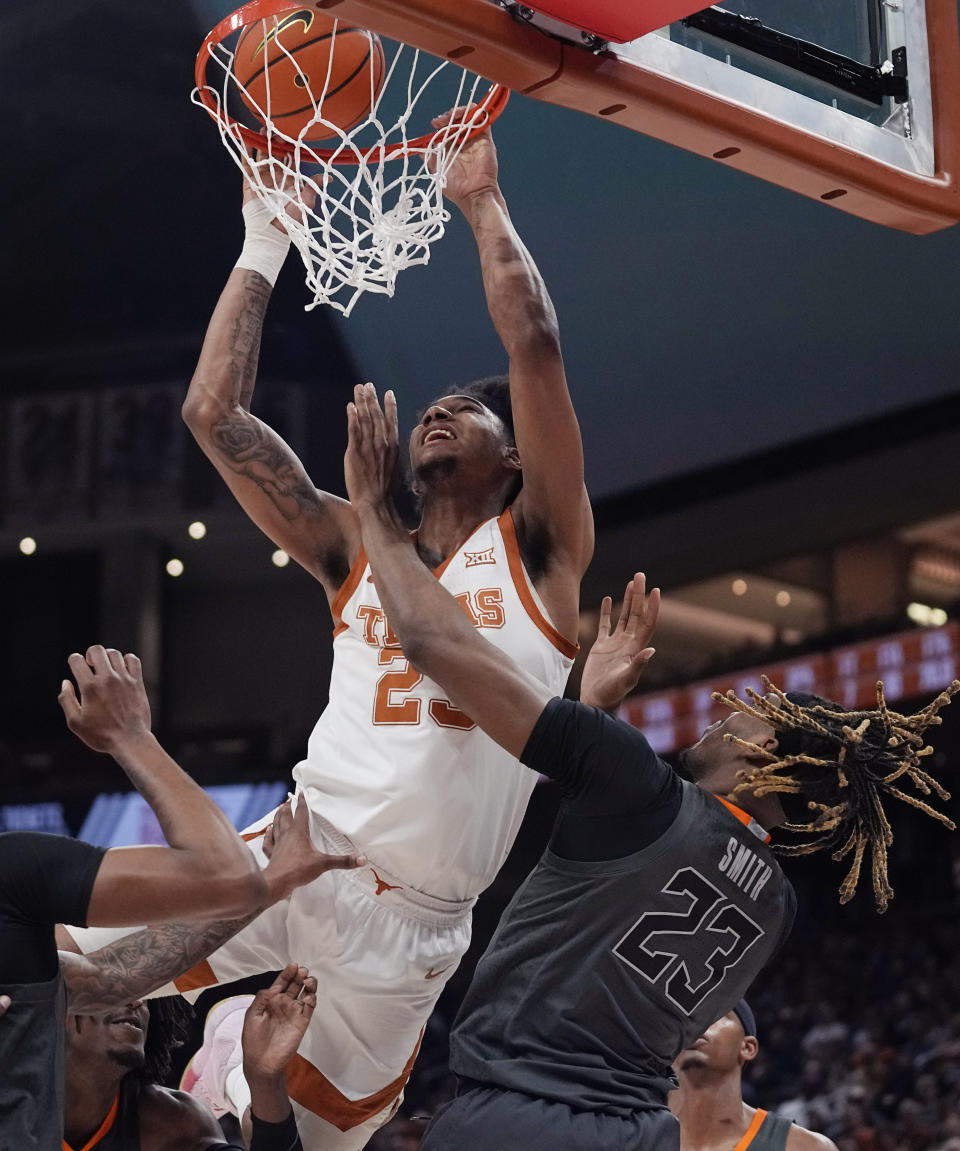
x,y
48,879
709,1102
113,1099
657,900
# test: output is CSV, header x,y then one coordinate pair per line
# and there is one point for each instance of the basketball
x,y
281,62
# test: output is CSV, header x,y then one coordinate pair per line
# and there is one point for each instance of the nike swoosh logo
x,y
431,974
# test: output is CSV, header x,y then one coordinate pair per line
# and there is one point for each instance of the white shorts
x,y
381,954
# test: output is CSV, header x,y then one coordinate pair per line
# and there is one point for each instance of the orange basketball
x,y
282,61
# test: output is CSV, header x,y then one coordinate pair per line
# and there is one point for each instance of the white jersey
x,y
412,781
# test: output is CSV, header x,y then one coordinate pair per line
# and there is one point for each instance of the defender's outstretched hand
x,y
370,463
620,654
276,1021
112,705
294,860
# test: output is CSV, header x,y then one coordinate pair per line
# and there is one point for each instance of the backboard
x,y
852,102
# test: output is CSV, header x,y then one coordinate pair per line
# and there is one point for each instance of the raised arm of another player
x,y
207,869
273,1027
619,655
553,504
268,480
434,632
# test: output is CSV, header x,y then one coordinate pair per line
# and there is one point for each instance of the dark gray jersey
x,y
772,1133
44,879
601,972
31,1058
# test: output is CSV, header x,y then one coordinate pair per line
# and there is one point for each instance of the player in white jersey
x,y
393,731
392,766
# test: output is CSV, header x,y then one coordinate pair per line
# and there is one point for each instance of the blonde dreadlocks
x,y
843,763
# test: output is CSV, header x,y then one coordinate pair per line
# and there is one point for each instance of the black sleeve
x,y
619,796
275,1136
44,880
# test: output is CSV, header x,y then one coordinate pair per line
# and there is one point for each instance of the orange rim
x,y
492,103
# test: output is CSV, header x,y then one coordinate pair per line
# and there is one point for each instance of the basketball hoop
x,y
363,202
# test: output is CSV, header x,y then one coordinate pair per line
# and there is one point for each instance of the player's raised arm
x,y
434,632
318,529
619,654
553,499
206,870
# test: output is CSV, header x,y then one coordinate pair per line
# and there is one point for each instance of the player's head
x,y
115,1041
138,1037
466,437
829,768
722,1050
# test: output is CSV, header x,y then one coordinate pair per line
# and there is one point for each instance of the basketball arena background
x,y
768,394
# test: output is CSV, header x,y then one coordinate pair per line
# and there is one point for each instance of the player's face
x,y
713,752
456,434
722,1048
118,1036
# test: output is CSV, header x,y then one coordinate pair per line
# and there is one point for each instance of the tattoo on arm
x,y
245,333
132,967
254,451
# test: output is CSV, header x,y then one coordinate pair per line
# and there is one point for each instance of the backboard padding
x,y
611,86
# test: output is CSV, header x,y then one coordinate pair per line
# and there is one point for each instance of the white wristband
x,y
264,247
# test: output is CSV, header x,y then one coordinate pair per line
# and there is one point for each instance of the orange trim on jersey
x,y
745,818
200,976
346,590
515,563
748,1136
313,1090
101,1131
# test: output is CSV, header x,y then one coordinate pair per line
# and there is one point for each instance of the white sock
x,y
236,1092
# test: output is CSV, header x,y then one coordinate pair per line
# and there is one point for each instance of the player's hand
x,y
112,706
620,654
370,463
293,858
475,169
261,170
275,1023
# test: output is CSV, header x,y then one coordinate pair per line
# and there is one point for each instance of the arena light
x,y
926,616
280,558
197,530
28,545
175,567
739,587
783,598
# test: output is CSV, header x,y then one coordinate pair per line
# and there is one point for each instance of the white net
x,y
365,202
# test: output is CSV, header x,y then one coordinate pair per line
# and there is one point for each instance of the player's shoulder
x,y
800,1139
172,1119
